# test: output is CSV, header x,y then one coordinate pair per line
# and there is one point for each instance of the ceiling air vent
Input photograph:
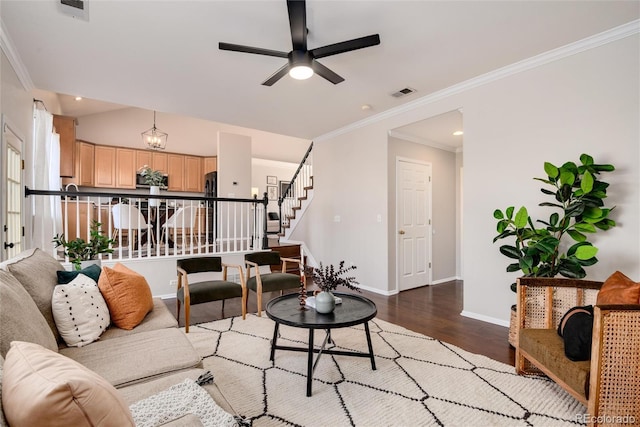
x,y
403,92
75,8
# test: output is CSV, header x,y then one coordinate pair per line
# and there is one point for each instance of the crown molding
x,y
553,55
423,141
14,59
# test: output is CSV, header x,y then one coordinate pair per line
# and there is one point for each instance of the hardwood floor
x,y
429,310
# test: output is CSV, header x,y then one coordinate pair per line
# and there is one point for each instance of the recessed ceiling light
x,y
366,107
78,98
458,133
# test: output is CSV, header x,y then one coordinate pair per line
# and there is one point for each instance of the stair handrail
x,y
291,183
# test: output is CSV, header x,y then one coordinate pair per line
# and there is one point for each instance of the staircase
x,y
295,200
297,208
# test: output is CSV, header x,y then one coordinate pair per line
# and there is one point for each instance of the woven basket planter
x,y
513,326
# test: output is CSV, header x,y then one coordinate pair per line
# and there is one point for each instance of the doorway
x,y
413,219
11,193
436,141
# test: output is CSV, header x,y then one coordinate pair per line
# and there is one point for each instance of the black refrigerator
x,y
211,184
211,190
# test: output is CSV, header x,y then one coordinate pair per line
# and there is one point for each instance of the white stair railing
x,y
297,191
157,226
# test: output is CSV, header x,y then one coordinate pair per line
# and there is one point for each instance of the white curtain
x,y
47,212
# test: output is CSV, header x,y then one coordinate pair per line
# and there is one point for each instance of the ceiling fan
x,y
302,63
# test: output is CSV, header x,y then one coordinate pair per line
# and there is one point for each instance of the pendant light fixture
x,y
154,138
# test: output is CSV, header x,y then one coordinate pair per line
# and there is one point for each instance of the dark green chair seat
x,y
212,290
275,282
206,290
269,282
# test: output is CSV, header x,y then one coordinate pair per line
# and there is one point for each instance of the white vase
x,y
154,190
325,302
87,263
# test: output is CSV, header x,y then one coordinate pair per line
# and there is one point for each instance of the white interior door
x,y
413,220
11,238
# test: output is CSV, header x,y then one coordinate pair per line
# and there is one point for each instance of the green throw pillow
x,y
92,271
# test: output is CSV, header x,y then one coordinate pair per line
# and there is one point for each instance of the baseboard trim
x,y
445,280
379,291
484,318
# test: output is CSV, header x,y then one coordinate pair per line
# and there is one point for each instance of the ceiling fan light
x,y
301,72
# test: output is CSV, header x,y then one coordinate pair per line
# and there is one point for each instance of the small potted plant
x,y
153,178
79,250
327,279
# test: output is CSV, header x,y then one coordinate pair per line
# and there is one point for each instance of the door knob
x,y
401,232
8,245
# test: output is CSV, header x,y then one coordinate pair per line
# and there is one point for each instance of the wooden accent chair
x,y
209,290
608,384
269,282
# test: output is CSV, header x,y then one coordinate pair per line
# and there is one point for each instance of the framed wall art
x,y
272,180
272,192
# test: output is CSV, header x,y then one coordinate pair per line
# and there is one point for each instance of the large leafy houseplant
x,y
79,250
578,202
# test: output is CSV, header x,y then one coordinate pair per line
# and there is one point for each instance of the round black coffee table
x,y
353,310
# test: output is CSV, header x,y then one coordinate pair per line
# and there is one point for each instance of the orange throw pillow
x,y
619,289
127,294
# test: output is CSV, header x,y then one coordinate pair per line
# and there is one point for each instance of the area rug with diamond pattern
x,y
419,381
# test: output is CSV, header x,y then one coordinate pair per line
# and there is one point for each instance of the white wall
x,y
234,166
16,106
187,135
459,217
350,191
261,168
587,102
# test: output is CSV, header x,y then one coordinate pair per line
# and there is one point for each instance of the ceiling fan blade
x,y
250,49
298,23
349,45
326,73
277,75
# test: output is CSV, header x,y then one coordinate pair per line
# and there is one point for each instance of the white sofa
x,y
138,363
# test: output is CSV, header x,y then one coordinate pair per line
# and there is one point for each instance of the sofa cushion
x,y
36,271
137,357
92,271
547,348
20,319
619,289
274,282
45,388
80,311
127,294
159,318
